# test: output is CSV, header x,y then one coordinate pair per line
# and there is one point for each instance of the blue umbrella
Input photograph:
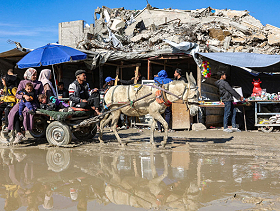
x,y
50,54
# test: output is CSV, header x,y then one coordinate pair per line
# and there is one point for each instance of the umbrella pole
x,y
55,81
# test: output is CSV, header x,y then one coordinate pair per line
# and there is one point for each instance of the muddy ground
x,y
198,170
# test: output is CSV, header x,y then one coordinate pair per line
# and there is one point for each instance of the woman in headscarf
x,y
45,77
30,76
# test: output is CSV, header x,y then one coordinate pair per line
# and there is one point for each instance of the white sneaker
x,y
228,130
235,130
18,139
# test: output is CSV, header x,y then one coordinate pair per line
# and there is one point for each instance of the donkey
x,y
149,105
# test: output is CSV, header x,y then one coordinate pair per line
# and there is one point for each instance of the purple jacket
x,y
28,118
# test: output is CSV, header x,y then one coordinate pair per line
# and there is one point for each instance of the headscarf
x,y
45,79
162,77
28,73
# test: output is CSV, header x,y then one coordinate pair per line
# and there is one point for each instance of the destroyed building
x,y
144,31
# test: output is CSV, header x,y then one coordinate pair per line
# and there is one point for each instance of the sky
x,y
34,23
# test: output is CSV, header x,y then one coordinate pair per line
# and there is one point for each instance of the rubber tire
x,y
62,130
265,129
58,159
39,120
89,135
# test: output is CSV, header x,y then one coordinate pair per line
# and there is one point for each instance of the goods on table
x,y
211,103
265,96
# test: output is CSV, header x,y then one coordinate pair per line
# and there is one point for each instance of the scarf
x,y
28,73
44,78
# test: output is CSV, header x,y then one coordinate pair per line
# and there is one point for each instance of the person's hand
x,y
118,79
84,101
26,97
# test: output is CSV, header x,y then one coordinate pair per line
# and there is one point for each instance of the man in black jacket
x,y
178,75
227,93
81,96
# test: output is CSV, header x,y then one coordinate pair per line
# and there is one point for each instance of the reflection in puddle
x,y
180,179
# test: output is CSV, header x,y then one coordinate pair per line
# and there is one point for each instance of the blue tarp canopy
x,y
258,62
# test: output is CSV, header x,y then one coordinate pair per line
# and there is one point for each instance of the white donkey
x,y
117,95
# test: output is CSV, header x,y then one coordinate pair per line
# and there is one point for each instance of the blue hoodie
x,y
162,77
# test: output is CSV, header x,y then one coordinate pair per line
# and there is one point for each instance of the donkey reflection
x,y
135,190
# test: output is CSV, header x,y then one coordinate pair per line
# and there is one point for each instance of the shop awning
x,y
258,62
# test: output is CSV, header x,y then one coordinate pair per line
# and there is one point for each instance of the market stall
x,y
244,69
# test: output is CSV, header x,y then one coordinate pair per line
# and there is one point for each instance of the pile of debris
x,y
212,29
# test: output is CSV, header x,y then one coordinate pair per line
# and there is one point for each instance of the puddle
x,y
181,178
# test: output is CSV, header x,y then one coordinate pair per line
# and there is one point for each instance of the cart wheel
x,y
58,133
86,132
39,127
266,129
58,159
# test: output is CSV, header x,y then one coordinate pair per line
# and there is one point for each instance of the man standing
x,y
178,76
227,93
79,93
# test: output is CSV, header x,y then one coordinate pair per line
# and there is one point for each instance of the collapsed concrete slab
x,y
144,31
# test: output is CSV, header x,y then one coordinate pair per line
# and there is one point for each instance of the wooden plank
x,y
181,118
158,63
198,79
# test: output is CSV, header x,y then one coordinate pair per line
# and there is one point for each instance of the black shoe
x,y
20,118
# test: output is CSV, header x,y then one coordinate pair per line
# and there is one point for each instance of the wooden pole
x,y
198,79
117,75
149,73
100,77
136,74
121,69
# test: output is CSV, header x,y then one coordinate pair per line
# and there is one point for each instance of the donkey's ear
x,y
188,78
192,79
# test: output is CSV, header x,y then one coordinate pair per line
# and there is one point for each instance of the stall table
x,y
222,106
265,125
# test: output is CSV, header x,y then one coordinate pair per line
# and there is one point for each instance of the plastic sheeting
x,y
258,62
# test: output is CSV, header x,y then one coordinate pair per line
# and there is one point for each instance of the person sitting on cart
x,y
28,91
52,104
80,95
62,91
227,93
7,101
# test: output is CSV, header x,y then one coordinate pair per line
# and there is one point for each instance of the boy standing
x,y
227,93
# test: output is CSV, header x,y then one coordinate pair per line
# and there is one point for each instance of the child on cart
x,y
53,104
28,91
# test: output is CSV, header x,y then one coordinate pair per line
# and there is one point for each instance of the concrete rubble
x,y
213,30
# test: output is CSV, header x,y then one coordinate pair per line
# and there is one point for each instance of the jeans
x,y
22,105
228,111
167,113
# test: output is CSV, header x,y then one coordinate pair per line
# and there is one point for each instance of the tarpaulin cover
x,y
49,55
249,60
